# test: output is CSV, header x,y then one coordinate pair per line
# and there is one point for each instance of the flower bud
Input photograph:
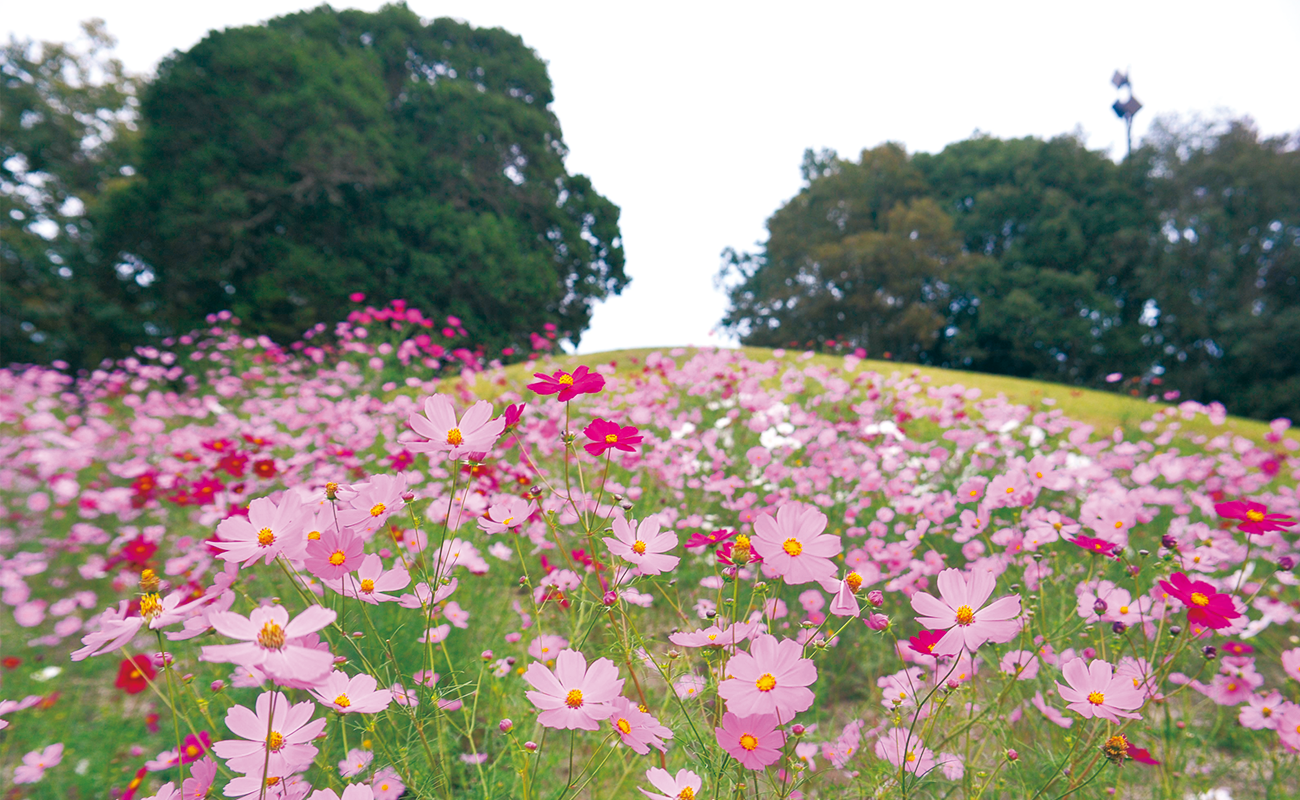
x,y
952,684
331,491
1174,630
505,726
877,622
610,598
408,496
797,730
626,505
740,550
1012,755
854,581
510,661
487,655
1119,627
1099,607
1210,652
876,598
1286,563
1170,541
674,654
217,686
530,747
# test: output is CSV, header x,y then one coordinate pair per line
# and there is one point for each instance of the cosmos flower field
x,y
378,564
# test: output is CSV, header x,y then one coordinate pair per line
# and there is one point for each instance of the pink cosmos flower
x,y
503,516
794,546
568,385
355,763
637,729
1254,516
1291,663
961,610
1099,546
334,554
365,507
476,431
604,435
773,677
284,751
353,791
268,642
753,741
575,695
386,784
1095,691
713,636
905,750
685,785
263,533
844,604
643,545
1205,605
355,695
1261,711
36,762
547,646
371,581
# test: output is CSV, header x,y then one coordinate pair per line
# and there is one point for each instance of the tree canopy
x,y
1043,259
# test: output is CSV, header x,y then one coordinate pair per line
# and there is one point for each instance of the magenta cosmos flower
x,y
476,431
773,677
568,385
1254,516
604,435
753,741
268,642
264,533
961,611
793,544
685,786
355,695
284,751
1095,691
575,695
1205,605
644,545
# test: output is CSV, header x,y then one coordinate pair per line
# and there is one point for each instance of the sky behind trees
x,y
693,117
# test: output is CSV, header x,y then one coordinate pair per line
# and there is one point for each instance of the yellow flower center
x,y
275,741
792,547
1119,524
1011,490
367,585
265,538
507,520
766,683
686,794
974,492
1200,599
1255,516
574,698
749,742
331,489
191,751
910,757
638,547
342,700
624,725
338,557
455,438
566,379
150,606
377,509
1038,475
313,535
1266,712
271,637
611,438
1123,609
965,615
854,580
1096,698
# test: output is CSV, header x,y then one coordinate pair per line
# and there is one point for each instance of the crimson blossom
x,y
1205,605
568,385
604,435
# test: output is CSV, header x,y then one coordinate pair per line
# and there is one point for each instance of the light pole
x,y
1126,109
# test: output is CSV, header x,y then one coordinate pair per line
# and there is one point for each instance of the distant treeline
x,y
1178,269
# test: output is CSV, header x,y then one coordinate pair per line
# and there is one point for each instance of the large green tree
x,y
288,165
67,133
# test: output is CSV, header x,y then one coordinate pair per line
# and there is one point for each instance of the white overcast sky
x,y
693,117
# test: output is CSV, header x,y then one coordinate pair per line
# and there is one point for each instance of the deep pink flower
x,y
699,541
285,751
268,642
793,544
568,385
753,741
961,610
1205,605
1095,691
1099,546
476,431
637,729
643,545
575,695
604,435
1254,516
672,788
356,695
925,641
773,677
